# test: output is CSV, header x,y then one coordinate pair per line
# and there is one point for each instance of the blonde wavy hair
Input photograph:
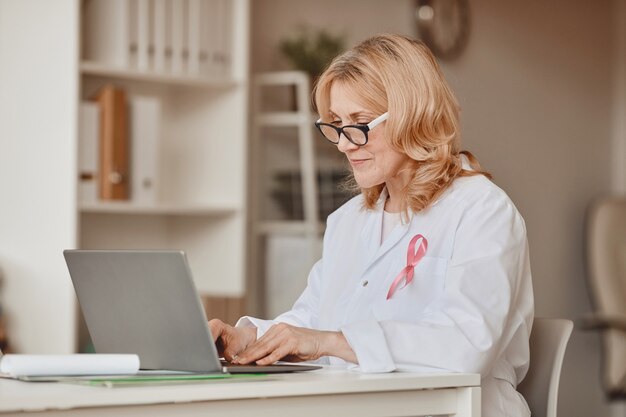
x,y
400,75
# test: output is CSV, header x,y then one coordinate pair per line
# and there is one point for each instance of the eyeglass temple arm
x,y
371,124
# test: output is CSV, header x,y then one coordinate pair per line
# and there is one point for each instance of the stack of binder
x,y
118,147
160,36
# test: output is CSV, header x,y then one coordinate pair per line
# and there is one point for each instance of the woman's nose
x,y
344,145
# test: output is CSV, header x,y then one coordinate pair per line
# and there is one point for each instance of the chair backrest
x,y
606,272
540,387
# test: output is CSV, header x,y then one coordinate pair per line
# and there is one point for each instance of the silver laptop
x,y
145,302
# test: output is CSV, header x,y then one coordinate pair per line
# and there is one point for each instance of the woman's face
x,y
376,162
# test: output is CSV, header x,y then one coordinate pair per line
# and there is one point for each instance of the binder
x,y
145,119
107,38
133,33
204,36
223,26
143,34
177,34
193,35
158,35
216,37
113,143
89,128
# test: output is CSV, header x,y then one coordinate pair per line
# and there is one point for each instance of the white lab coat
x,y
468,309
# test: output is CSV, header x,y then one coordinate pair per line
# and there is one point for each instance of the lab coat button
x,y
365,283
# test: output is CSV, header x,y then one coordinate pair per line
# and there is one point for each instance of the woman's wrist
x,y
336,344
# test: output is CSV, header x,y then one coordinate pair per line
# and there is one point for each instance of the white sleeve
x,y
464,329
304,313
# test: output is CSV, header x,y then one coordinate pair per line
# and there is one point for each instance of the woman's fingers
x,y
275,355
230,340
216,326
225,338
260,348
282,341
229,353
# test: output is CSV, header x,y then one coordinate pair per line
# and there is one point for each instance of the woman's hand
x,y
230,340
295,344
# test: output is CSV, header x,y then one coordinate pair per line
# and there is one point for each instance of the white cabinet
x,y
201,206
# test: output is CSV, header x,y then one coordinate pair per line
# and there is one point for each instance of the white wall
x,y
535,87
37,158
536,95
618,144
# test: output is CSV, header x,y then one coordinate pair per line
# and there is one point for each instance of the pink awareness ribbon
x,y
412,259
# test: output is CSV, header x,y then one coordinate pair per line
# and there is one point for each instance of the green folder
x,y
112,381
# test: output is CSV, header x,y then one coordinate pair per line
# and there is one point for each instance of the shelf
x,y
282,78
97,69
287,227
284,119
124,207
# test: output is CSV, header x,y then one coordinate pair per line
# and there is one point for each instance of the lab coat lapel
x,y
392,241
372,233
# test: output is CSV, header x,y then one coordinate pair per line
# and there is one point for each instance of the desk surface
x,y
16,396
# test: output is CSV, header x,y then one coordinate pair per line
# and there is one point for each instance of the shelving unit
x,y
288,160
202,203
201,206
301,118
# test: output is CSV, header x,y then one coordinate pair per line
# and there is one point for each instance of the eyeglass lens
x,y
354,135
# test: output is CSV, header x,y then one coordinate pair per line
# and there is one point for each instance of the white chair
x,y
606,272
548,341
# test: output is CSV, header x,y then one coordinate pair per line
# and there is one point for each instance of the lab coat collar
x,y
371,233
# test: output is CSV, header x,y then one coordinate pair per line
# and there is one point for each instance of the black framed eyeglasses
x,y
356,134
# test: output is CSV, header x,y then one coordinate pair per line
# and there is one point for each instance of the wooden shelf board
x,y
285,118
124,207
287,227
97,69
281,78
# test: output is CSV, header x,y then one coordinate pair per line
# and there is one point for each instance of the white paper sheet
x,y
78,364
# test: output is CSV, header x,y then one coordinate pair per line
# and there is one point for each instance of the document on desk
x,y
120,381
108,370
20,365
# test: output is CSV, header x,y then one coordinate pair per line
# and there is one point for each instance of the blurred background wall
x,y
535,86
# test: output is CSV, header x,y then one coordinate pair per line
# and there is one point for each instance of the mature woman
x,y
427,269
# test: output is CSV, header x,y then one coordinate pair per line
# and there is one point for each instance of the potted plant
x,y
311,50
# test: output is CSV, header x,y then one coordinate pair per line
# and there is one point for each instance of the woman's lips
x,y
358,162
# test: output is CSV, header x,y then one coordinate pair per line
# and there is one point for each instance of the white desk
x,y
324,392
